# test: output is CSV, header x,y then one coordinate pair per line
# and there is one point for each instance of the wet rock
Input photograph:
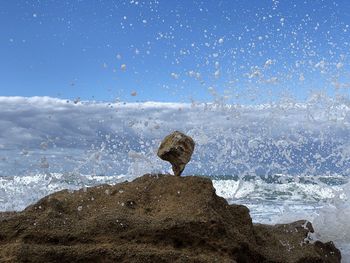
x,y
155,218
176,148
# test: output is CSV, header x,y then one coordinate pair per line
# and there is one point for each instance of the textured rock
x,y
176,148
155,218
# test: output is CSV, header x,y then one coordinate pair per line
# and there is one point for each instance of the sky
x,y
174,51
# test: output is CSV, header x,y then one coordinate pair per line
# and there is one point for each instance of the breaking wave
x,y
285,161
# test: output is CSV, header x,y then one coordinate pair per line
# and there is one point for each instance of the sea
x,y
285,161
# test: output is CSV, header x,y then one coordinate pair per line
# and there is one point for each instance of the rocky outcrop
x,y
176,148
155,218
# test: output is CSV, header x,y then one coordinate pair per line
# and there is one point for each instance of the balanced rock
x,y
176,148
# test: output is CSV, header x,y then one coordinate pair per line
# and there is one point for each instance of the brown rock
x,y
176,148
155,218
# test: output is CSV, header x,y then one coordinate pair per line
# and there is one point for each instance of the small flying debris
x,y
77,100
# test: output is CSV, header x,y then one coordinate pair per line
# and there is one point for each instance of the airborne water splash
x,y
261,141
285,161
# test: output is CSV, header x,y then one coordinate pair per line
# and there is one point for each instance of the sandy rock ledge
x,y
155,218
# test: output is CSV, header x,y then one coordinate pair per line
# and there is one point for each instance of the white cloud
x,y
98,137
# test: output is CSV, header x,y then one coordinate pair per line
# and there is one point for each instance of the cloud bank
x,y
53,135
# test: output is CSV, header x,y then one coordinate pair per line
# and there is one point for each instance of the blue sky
x,y
235,51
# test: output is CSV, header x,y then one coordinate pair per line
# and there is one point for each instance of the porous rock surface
x,y
176,148
155,218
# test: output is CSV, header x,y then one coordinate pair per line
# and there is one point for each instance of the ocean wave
x,y
285,161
